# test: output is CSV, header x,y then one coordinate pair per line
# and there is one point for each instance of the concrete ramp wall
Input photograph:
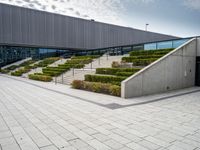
x,y
175,70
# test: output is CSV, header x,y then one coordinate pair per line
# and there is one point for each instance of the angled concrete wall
x,y
176,70
27,27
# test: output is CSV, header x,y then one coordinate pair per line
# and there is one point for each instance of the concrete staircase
x,y
78,74
39,69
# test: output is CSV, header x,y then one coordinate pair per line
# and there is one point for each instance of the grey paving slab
x,y
33,117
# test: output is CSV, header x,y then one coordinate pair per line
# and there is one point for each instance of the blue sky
x,y
173,17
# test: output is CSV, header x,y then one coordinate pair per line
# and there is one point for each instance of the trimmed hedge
x,y
85,57
38,77
115,80
47,61
124,74
114,71
97,87
27,63
151,52
20,72
79,61
13,67
73,63
4,71
143,62
54,71
132,58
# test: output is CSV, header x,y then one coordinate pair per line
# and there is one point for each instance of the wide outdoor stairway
x,y
39,69
78,74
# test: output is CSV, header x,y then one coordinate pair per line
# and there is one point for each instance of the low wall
x,y
175,70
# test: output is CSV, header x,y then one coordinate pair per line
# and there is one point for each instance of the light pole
x,y
146,26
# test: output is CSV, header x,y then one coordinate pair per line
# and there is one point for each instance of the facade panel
x,y
27,27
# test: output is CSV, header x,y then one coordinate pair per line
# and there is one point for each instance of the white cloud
x,y
100,10
192,4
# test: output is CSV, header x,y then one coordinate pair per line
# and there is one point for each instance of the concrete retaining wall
x,y
176,70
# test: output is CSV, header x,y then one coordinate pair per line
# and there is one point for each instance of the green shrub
x,y
5,71
104,79
27,63
97,87
16,73
47,61
54,71
85,57
44,78
116,64
151,52
77,84
79,61
30,67
20,72
113,71
115,90
124,74
143,62
13,67
64,66
132,58
75,65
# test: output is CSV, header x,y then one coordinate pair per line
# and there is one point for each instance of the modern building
x,y
31,33
27,32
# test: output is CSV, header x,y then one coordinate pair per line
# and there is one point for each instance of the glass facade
x,y
10,54
165,44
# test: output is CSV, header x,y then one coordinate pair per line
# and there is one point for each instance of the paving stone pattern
x,y
32,118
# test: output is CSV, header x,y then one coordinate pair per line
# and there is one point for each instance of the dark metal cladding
x,y
32,28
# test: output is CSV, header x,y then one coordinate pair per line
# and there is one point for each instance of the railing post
x,y
107,55
62,79
73,71
99,61
55,80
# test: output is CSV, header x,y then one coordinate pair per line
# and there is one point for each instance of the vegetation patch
x,y
40,77
47,61
151,52
97,87
75,62
116,71
115,80
20,72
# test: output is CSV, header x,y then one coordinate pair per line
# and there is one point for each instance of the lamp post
x,y
146,26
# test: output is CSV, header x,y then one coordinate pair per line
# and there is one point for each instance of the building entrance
x,y
198,72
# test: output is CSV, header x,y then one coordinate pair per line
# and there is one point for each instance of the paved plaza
x,y
45,116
